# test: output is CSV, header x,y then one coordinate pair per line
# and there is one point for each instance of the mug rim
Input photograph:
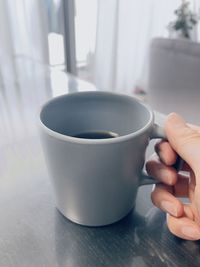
x,y
78,140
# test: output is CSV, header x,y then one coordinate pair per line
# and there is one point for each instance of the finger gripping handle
x,y
158,132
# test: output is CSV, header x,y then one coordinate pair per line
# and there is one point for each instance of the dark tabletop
x,y
32,231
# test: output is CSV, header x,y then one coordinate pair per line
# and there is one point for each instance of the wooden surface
x,y
32,231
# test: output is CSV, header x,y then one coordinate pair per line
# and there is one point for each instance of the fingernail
x,y
169,207
166,176
191,232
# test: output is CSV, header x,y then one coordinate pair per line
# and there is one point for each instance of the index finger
x,y
166,153
168,156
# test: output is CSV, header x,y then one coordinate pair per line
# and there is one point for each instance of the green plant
x,y
185,21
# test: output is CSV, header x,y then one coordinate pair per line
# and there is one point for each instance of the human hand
x,y
183,219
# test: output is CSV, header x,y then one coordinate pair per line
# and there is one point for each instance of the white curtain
x,y
23,33
124,31
24,81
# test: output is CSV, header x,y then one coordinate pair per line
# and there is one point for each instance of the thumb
x,y
184,140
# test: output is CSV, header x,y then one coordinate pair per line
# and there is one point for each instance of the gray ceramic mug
x,y
96,180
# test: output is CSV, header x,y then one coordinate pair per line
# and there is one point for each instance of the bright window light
x,y
56,49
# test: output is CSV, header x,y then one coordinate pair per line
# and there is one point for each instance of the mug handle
x,y
158,132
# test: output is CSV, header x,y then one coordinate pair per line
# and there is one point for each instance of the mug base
x,y
88,224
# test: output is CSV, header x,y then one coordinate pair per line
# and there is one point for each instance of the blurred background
x,y
105,42
138,47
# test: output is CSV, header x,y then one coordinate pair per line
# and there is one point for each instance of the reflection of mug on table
x,y
96,176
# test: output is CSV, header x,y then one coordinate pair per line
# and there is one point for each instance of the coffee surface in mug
x,y
96,135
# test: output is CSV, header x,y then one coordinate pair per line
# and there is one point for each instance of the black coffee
x,y
96,135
